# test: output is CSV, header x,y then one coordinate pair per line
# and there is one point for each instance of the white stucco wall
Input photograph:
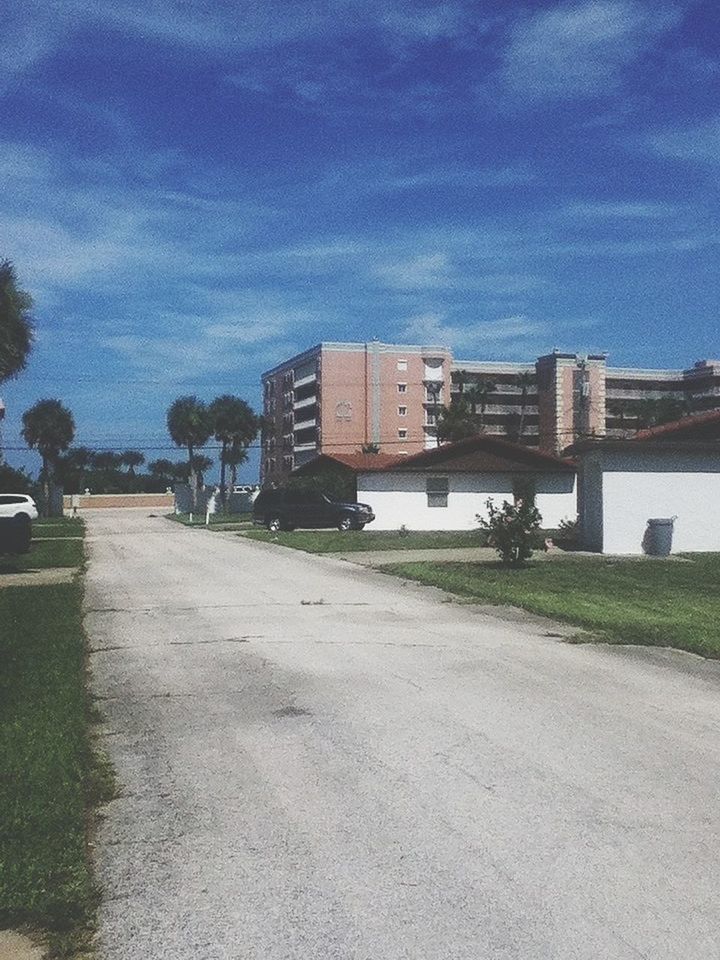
x,y
637,486
401,499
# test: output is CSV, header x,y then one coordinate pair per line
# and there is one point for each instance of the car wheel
x,y
345,523
273,524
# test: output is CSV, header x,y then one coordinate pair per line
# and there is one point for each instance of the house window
x,y
402,434
402,364
402,411
402,388
430,418
437,491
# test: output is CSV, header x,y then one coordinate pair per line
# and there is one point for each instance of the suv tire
x,y
345,523
274,524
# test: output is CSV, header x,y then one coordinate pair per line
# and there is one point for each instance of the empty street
x,y
316,760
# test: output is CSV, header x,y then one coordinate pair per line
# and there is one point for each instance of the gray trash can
x,y
660,536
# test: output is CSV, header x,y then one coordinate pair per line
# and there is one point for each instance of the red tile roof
x,y
360,462
698,426
479,454
484,454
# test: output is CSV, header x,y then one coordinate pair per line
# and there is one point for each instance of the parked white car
x,y
17,504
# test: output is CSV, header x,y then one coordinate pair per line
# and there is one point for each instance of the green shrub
x,y
512,529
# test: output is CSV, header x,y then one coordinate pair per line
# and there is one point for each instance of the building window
x,y
402,388
430,418
402,364
402,411
437,491
402,434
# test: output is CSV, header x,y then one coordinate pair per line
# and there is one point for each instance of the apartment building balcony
x,y
305,402
304,447
304,381
306,435
305,424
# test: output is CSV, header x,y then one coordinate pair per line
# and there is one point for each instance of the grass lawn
x,y
58,527
656,602
351,541
44,554
218,521
49,773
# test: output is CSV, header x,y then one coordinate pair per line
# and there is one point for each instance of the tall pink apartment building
x,y
339,397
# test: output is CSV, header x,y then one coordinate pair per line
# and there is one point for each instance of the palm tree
x,y
619,411
190,426
459,377
478,396
455,422
652,412
201,464
161,470
512,426
234,424
132,459
106,460
49,428
524,380
16,325
73,466
234,456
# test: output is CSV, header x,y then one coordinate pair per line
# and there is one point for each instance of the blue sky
x,y
192,191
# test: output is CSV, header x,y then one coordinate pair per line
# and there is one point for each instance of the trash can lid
x,y
662,522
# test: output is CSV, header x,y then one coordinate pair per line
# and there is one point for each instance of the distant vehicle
x,y
285,509
17,504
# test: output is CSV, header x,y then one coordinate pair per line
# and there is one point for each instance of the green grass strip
x,y
661,603
352,541
45,554
48,770
71,524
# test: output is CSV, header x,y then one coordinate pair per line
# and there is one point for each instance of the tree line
x,y
49,427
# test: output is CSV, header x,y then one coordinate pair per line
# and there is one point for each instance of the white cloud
x,y
433,328
228,28
620,210
425,271
699,142
458,176
579,49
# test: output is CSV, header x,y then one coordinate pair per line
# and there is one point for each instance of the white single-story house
x,y
670,472
447,487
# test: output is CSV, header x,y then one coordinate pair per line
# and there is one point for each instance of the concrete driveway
x,y
319,761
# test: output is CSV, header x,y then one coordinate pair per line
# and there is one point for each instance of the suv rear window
x,y
6,498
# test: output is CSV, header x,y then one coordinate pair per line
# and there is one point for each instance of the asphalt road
x,y
320,761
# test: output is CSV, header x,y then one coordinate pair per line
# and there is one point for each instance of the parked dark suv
x,y
285,509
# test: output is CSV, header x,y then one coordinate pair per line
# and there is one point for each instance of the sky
x,y
194,191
